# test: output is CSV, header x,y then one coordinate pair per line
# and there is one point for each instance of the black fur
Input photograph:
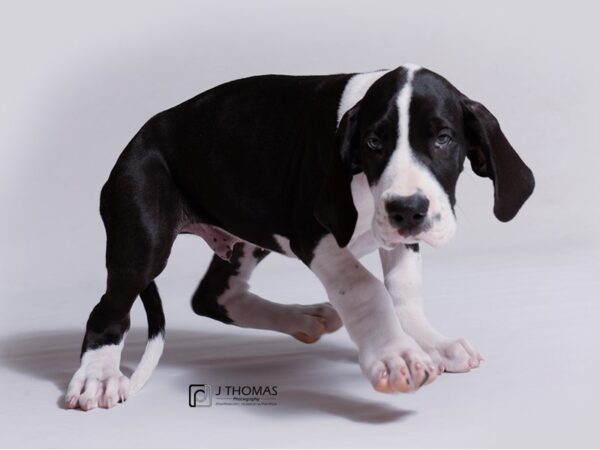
x,y
214,284
154,312
492,156
262,156
274,136
141,210
435,109
260,254
413,247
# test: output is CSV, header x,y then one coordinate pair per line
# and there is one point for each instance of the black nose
x,y
407,212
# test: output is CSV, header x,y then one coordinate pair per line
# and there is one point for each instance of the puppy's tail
x,y
156,338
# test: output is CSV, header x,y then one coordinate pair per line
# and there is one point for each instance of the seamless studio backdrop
x,y
79,79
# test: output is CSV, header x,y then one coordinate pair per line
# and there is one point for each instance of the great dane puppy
x,y
322,168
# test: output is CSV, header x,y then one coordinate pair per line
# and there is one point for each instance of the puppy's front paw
x,y
454,355
398,367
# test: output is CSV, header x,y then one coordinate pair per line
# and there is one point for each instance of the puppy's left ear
x,y
492,156
334,208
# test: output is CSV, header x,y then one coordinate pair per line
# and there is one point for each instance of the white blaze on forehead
x,y
412,68
402,158
403,104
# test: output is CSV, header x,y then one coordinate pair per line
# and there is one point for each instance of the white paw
x,y
398,367
454,355
312,321
98,382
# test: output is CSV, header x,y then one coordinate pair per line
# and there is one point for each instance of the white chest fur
x,y
363,241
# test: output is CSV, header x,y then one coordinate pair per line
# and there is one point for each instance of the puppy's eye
x,y
374,143
443,140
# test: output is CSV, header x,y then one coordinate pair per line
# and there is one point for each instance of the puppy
x,y
321,168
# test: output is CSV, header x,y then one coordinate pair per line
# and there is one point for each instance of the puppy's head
x,y
410,135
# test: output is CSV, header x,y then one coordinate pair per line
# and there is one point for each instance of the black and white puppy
x,y
322,168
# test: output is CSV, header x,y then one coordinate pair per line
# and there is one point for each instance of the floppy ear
x,y
334,208
492,156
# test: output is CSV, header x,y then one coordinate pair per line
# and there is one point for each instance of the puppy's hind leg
x,y
223,294
141,211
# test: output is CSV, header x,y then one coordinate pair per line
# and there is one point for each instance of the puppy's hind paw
x,y
89,392
309,322
98,382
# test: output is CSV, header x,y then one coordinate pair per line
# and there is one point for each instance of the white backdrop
x,y
79,79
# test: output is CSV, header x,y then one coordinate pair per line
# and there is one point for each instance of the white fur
x,y
304,322
98,381
152,353
363,242
387,355
403,279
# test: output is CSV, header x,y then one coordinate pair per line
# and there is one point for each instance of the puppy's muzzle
x,y
408,214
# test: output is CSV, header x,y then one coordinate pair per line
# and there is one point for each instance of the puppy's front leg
x,y
402,274
390,358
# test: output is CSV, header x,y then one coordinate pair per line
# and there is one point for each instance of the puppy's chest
x,y
362,241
